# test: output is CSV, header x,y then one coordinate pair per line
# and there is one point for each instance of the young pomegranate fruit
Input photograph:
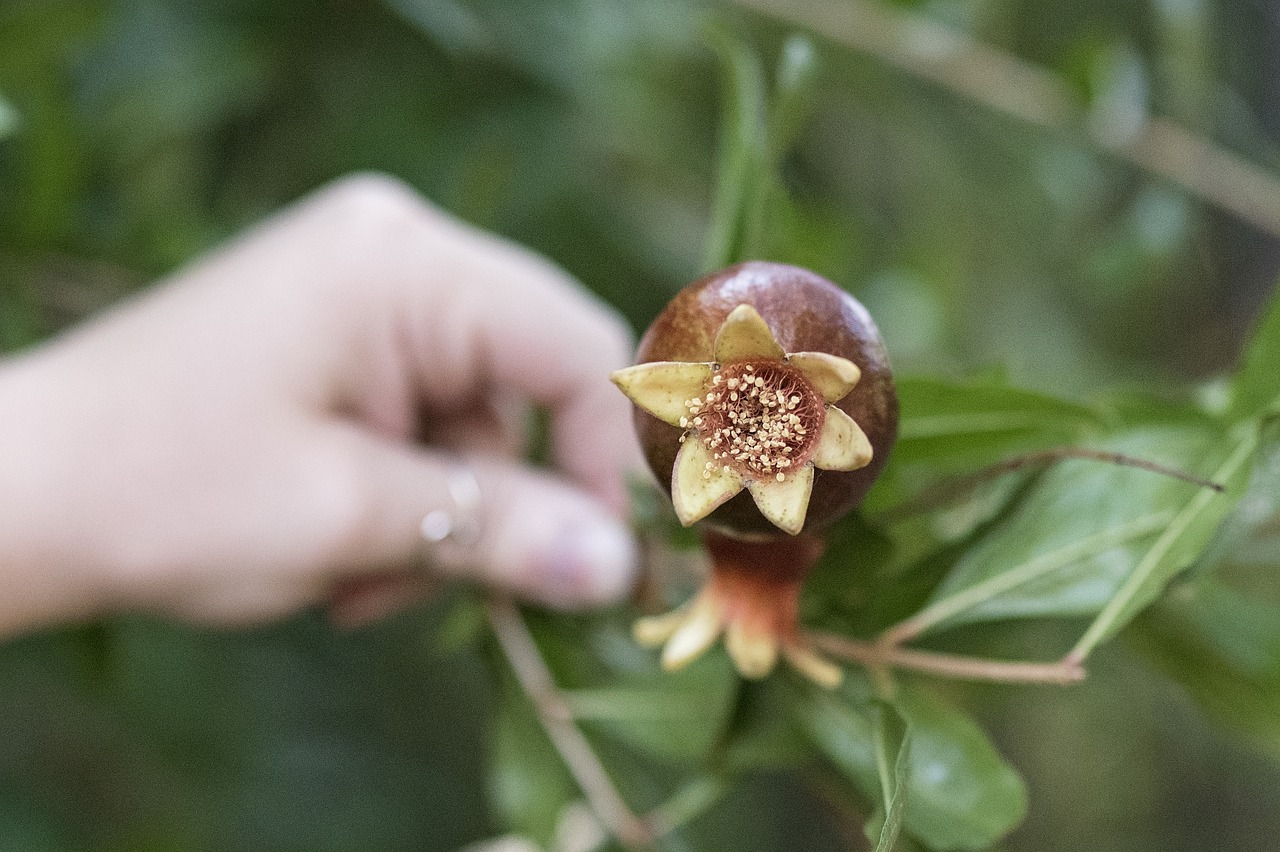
x,y
766,402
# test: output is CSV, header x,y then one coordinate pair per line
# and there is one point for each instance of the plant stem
x,y
871,654
944,493
554,714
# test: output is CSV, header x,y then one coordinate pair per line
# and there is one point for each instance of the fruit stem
x,y
878,655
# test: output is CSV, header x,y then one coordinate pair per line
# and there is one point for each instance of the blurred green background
x,y
134,135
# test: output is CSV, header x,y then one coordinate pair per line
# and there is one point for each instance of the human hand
x,y
267,429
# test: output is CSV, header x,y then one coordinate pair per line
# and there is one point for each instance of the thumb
x,y
535,535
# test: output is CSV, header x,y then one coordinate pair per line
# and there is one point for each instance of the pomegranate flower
x,y
756,417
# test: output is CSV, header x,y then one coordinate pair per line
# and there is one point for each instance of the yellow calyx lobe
x,y
755,418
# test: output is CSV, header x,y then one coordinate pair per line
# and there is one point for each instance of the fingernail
x,y
593,563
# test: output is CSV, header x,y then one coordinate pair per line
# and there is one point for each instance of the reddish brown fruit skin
x,y
806,313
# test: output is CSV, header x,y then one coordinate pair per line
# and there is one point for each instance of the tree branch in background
x,y
926,49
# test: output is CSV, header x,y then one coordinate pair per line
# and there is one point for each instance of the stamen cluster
x,y
760,419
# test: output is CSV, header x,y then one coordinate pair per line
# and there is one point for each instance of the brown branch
x,y
557,720
1002,81
944,493
878,655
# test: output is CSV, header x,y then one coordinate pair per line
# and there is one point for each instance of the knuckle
x,y
362,216
374,193
374,207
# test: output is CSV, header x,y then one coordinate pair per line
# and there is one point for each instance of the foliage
x,y
134,134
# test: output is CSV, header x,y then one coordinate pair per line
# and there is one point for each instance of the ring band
x,y
459,526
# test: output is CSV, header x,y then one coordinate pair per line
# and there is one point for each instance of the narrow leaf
x,y
673,716
962,794
697,796
893,750
793,93
618,690
528,783
1188,535
893,819
963,424
1224,649
1256,388
9,119
1093,538
742,153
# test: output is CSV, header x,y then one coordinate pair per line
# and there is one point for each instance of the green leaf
x,y
616,688
892,738
1256,388
950,429
9,119
848,572
755,135
763,734
461,625
743,156
690,801
1094,537
528,783
1224,649
1188,535
793,94
963,424
675,716
1250,545
962,794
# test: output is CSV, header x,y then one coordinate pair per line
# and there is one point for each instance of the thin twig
x,y
553,712
1000,80
944,493
879,654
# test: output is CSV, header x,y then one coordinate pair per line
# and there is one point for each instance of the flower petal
x,y
652,630
694,494
784,503
745,336
842,445
698,632
818,669
663,387
832,375
754,652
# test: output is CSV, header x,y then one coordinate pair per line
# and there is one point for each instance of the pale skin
x,y
265,431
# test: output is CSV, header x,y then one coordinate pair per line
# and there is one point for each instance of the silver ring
x,y
460,526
